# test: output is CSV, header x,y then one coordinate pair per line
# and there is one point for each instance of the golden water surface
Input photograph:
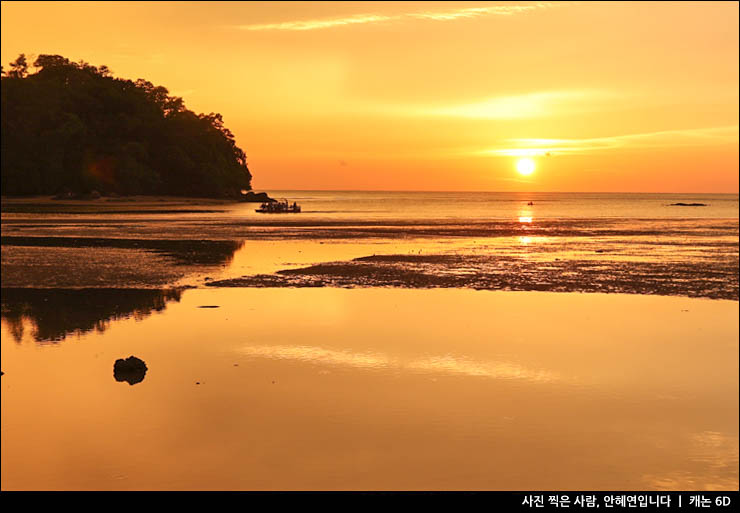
x,y
283,389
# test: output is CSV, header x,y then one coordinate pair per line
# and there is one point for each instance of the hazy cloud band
x,y
470,12
662,139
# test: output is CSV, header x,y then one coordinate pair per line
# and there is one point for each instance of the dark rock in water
x,y
131,370
257,197
688,205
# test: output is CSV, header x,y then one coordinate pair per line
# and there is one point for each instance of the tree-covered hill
x,y
73,126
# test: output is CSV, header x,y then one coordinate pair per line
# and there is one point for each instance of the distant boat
x,y
279,207
530,203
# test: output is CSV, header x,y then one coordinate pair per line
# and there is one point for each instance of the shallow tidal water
x,y
615,243
347,348
447,389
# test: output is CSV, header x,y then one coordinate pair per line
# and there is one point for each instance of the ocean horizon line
x,y
494,192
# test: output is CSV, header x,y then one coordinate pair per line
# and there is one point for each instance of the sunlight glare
x,y
525,166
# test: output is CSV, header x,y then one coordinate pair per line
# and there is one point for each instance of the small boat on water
x,y
279,207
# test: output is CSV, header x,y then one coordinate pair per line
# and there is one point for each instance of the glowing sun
x,y
525,167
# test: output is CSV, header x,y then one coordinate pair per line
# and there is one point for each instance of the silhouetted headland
x,y
72,130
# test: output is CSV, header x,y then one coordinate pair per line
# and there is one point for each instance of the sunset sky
x,y
432,95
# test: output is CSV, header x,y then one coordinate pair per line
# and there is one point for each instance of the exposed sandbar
x,y
496,272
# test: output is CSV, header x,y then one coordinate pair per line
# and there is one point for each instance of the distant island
x,y
72,129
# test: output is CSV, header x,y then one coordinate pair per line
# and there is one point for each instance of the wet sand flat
x,y
718,280
382,389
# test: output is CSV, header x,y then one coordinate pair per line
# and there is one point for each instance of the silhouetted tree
x,y
19,67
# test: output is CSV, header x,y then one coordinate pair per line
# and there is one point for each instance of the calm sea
x,y
364,205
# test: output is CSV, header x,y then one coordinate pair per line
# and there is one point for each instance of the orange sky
x,y
432,95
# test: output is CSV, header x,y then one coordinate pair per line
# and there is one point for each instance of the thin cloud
x,y
663,139
320,24
539,104
359,19
473,12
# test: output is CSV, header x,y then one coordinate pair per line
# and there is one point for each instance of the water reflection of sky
x,y
383,387
444,364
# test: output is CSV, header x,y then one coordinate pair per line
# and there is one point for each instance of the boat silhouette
x,y
279,207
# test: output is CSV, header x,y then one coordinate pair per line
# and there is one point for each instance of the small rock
x,y
131,370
